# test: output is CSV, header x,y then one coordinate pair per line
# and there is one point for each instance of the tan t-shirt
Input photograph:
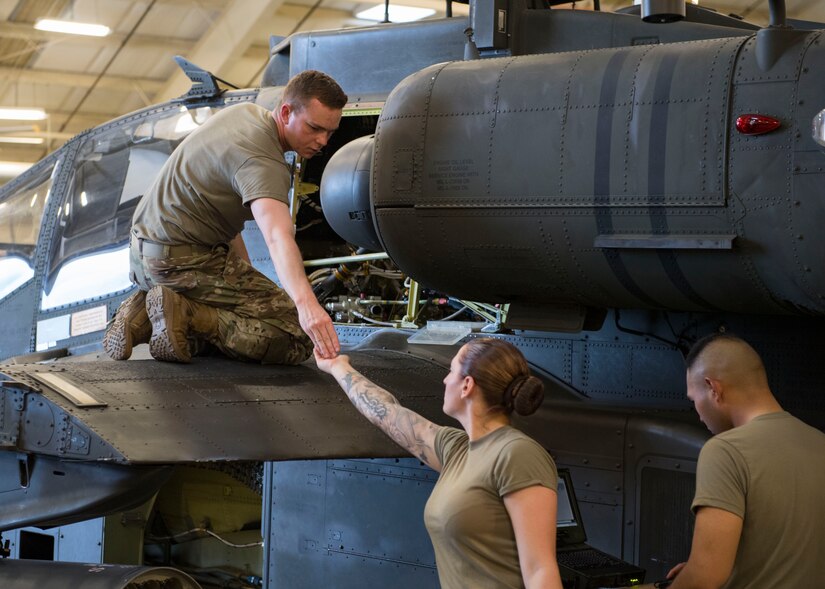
x,y
475,546
204,189
771,473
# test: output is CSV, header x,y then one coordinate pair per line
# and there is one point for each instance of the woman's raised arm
x,y
406,427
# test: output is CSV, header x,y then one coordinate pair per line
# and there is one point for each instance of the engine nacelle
x,y
610,178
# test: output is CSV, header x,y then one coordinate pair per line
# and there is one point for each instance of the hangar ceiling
x,y
83,81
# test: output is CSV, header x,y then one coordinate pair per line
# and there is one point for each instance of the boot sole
x,y
121,336
162,345
117,342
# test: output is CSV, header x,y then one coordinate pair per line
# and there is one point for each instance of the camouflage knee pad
x,y
287,349
249,339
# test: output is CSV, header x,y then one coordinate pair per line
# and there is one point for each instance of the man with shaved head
x,y
760,512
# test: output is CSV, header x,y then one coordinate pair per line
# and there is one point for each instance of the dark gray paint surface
x,y
349,524
214,409
46,491
17,310
388,52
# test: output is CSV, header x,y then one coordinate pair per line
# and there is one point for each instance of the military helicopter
x,y
600,189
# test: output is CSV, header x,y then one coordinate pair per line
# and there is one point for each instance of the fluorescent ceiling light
x,y
22,114
397,13
12,169
24,140
71,27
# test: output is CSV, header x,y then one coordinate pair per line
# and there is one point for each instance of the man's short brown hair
x,y
310,84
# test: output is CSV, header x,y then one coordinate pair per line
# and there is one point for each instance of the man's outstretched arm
x,y
275,222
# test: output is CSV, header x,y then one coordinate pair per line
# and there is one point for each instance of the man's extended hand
x,y
318,326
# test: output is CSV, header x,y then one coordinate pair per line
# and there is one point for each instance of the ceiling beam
x,y
76,80
12,30
227,40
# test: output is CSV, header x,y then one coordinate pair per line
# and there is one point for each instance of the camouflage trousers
x,y
257,321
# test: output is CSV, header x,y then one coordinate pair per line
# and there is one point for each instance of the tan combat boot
x,y
174,320
204,321
129,327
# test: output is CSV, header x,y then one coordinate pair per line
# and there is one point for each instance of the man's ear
x,y
716,389
284,111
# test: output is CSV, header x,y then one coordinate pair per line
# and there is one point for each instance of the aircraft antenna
x,y
774,40
777,12
204,84
470,48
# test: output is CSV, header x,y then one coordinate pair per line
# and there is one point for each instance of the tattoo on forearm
x,y
368,398
384,410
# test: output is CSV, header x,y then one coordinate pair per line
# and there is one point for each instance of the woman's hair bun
x,y
526,394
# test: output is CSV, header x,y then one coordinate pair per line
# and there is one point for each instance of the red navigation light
x,y
753,124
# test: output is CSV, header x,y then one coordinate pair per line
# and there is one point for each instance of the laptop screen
x,y
564,515
569,527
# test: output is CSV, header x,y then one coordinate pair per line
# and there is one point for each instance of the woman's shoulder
x,y
522,462
512,435
451,436
515,441
449,443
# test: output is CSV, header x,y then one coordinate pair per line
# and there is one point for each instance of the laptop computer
x,y
582,566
